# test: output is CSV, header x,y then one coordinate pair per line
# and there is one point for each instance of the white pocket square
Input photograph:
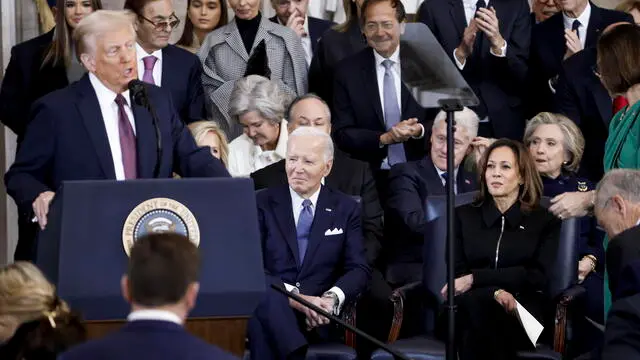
x,y
335,231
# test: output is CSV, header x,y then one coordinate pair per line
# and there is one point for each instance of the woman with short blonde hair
x,y
34,322
208,133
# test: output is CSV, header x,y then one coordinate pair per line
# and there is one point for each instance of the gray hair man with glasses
x,y
166,65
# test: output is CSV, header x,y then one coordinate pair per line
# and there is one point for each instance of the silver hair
x,y
622,182
97,24
259,94
312,131
466,117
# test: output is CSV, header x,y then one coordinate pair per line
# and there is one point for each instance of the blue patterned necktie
x,y
392,115
444,177
304,228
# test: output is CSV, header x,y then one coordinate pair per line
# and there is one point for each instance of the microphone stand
x,y
396,355
450,106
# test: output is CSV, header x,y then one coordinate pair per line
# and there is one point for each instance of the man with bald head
x,y
582,98
312,244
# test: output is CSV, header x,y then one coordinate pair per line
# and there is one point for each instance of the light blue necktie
x,y
304,228
392,115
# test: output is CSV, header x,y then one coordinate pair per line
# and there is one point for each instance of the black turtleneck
x,y
248,30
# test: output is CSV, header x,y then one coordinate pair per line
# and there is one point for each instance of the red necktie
x,y
127,141
619,103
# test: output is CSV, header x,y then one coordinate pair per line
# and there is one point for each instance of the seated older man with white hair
x,y
410,184
312,245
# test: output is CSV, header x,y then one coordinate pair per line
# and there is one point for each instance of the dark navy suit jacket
x,y
495,80
330,260
148,339
409,185
548,49
66,140
358,119
26,80
182,76
317,27
582,98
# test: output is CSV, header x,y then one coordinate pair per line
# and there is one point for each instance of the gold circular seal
x,y
159,215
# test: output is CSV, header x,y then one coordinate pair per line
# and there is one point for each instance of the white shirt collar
x,y
583,18
296,200
395,57
440,172
281,147
154,314
105,95
305,25
141,53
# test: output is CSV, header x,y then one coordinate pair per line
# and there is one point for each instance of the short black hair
x,y
161,268
287,114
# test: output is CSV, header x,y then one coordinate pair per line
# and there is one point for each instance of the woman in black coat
x,y
506,242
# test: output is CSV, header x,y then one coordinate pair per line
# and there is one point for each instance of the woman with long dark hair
x,y
203,16
37,67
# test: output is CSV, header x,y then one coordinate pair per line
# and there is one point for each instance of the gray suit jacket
x,y
224,60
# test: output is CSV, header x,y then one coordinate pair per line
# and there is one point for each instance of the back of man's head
x,y
163,272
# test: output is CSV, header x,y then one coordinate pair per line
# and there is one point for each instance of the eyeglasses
x,y
595,70
162,25
372,27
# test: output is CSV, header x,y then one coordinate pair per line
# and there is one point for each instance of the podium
x,y
91,225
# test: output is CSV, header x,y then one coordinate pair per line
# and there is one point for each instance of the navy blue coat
x,y
66,140
148,339
317,27
182,76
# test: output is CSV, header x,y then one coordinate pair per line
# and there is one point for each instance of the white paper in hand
x,y
531,326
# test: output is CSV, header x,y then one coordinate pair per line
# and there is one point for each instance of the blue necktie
x,y
445,176
575,26
392,115
304,228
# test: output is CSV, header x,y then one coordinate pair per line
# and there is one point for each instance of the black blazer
x,y
26,80
548,48
525,251
623,263
582,98
317,27
497,81
358,119
182,76
349,176
333,47
622,334
409,186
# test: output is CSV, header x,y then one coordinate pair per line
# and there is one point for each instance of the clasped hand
x,y
313,319
461,285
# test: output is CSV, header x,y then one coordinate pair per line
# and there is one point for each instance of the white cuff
x,y
336,290
291,288
503,50
458,63
421,133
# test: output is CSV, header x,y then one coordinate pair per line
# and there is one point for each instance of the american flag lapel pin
x,y
466,181
327,209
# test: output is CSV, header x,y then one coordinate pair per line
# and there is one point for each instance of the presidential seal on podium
x,y
159,215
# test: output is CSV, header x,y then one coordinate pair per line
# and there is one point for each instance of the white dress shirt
x,y
455,177
245,157
154,314
157,67
296,206
584,23
109,110
306,41
469,13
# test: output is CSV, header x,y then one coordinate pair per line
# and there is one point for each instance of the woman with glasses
x,y
203,16
165,65
249,45
37,67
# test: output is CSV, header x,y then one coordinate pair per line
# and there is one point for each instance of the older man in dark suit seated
x,y
312,245
410,184
162,286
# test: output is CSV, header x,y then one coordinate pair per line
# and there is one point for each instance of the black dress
x,y
510,251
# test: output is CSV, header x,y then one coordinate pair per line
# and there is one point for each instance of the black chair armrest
x,y
564,301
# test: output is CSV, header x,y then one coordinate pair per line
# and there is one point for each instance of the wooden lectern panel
x,y
226,333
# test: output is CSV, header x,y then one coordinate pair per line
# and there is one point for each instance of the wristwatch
x,y
336,302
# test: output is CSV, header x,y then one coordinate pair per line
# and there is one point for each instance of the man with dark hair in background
x,y
161,285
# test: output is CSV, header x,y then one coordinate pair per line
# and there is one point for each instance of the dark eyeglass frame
x,y
595,70
172,21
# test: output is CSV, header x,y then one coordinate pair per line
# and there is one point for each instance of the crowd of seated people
x,y
319,117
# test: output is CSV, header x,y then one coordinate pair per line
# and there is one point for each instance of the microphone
x,y
298,298
139,97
